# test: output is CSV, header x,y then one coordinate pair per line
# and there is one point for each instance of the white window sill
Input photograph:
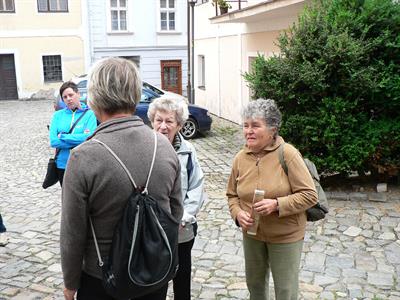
x,y
168,32
122,32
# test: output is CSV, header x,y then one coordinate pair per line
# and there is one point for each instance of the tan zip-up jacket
x,y
295,192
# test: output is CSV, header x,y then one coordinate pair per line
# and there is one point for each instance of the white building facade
x,y
152,33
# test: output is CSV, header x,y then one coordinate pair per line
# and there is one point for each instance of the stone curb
x,y
362,196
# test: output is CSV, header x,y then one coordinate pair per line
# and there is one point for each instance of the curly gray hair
x,y
169,104
265,109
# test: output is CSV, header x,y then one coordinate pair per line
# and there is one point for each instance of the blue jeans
x,y
2,227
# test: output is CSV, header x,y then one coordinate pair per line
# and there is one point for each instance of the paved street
x,y
353,254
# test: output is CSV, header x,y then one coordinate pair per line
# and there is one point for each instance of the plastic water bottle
x,y
258,195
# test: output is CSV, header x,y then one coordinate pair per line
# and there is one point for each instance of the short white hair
x,y
169,104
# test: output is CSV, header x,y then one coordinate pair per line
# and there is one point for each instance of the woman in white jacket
x,y
167,116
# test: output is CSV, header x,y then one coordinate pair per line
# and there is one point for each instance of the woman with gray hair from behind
x,y
167,116
96,185
269,205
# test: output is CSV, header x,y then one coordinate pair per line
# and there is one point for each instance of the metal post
x,y
192,56
189,90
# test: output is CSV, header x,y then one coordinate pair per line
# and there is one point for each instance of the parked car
x,y
199,118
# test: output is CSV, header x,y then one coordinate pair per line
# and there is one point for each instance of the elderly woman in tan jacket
x,y
275,243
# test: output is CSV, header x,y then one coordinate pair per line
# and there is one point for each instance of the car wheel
x,y
189,129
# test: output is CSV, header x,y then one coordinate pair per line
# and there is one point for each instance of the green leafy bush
x,y
337,82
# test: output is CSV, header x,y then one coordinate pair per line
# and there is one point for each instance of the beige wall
x,y
26,16
29,35
208,97
28,56
226,60
227,48
229,58
263,43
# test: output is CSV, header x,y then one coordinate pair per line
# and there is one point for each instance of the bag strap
x,y
70,130
145,191
76,122
282,158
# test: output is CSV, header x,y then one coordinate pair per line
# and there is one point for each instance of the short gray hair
x,y
265,109
114,86
169,104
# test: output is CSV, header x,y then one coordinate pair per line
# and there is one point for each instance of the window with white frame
x,y
52,5
167,15
7,6
201,63
52,70
118,14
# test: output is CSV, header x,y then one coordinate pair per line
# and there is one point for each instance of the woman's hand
x,y
69,294
266,207
245,220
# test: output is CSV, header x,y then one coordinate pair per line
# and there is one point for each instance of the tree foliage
x,y
337,83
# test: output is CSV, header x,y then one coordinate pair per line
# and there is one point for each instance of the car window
x,y
152,88
147,96
144,98
82,84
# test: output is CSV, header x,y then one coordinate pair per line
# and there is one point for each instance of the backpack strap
x,y
145,191
282,158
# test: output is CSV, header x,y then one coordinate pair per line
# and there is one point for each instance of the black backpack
x,y
319,210
144,252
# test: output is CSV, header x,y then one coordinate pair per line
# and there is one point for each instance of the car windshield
x,y
148,95
82,84
152,88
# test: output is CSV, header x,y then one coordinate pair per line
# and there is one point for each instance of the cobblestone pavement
x,y
353,254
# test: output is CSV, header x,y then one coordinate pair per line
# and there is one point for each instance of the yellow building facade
x,y
41,45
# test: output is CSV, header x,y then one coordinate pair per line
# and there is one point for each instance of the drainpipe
x,y
192,57
189,90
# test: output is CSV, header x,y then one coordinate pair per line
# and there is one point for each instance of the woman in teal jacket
x,y
63,120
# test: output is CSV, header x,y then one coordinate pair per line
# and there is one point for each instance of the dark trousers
x,y
60,173
183,279
92,289
2,227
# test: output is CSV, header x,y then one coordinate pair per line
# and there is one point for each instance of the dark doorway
x,y
8,80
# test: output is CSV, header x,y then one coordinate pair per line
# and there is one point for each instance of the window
x,y
171,75
202,71
52,68
52,5
118,15
167,15
7,6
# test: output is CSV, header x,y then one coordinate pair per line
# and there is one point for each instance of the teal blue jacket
x,y
61,123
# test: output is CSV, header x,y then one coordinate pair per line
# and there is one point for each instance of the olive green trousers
x,y
283,260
